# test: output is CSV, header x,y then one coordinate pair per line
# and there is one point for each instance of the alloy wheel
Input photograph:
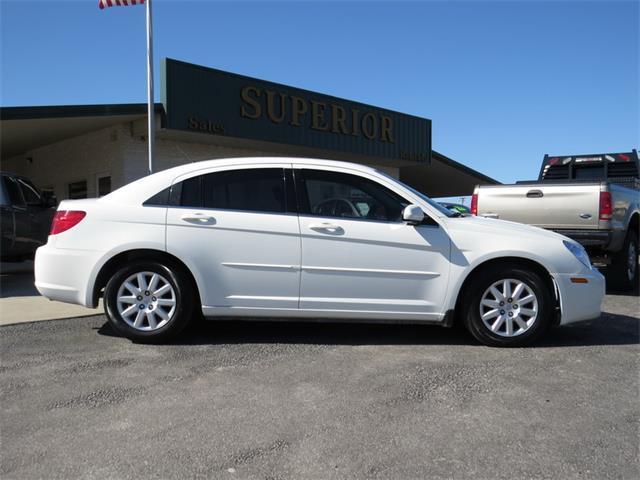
x,y
146,301
509,307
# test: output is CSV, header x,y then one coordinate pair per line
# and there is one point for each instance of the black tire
x,y
620,274
480,283
181,293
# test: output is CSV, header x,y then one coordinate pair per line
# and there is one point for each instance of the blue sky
x,y
504,82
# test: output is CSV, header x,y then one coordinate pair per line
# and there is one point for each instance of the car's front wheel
x,y
507,307
148,301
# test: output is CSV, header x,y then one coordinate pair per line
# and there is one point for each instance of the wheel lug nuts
x,y
515,305
501,304
501,312
511,314
139,297
153,299
141,306
510,300
147,293
150,307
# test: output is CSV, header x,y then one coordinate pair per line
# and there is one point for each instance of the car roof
x,y
149,185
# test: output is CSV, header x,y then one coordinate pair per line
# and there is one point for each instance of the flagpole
x,y
151,115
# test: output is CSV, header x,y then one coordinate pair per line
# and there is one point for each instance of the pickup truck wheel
x,y
507,307
148,302
622,274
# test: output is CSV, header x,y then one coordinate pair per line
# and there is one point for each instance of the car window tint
x,y
259,190
350,196
160,199
4,196
14,191
31,195
191,193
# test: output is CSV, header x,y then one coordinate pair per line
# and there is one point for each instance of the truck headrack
x,y
622,168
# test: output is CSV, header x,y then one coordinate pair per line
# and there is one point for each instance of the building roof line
x,y
446,160
65,111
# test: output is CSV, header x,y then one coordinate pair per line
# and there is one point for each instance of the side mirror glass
x,y
413,214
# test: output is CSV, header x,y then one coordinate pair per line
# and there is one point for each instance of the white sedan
x,y
245,238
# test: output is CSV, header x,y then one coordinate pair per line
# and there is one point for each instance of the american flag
x,y
118,3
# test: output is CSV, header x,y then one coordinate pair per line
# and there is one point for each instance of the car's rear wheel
x,y
507,307
149,301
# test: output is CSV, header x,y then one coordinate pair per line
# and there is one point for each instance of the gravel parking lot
x,y
278,400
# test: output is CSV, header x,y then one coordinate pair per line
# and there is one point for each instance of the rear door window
x,y
251,190
254,190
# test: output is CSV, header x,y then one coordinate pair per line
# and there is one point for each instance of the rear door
x,y
239,230
542,204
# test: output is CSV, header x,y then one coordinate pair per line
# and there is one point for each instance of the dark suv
x,y
26,215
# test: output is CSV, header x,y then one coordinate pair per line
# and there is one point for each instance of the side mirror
x,y
413,214
49,200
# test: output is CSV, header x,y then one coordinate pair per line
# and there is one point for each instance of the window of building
x,y
77,190
103,185
335,194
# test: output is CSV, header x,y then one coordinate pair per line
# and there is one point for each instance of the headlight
x,y
579,252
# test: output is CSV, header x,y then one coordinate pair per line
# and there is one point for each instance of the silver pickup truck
x,y
594,199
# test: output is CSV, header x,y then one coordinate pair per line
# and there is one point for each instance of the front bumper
x,y
580,301
65,274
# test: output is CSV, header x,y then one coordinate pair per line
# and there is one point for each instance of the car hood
x,y
496,227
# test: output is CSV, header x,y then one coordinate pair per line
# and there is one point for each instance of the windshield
x,y
444,211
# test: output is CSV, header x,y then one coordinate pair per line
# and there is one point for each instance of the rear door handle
x,y
535,194
198,218
326,227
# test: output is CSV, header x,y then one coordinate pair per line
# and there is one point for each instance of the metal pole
x,y
151,120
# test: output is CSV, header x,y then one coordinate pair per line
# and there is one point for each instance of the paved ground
x,y
20,301
277,401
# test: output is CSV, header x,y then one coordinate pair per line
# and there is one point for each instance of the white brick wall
x,y
113,151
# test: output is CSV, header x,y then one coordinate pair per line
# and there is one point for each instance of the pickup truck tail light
x,y
474,204
63,220
606,209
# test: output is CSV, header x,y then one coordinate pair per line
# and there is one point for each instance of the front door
x,y
240,232
358,256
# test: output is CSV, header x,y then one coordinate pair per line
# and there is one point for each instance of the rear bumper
x,y
580,301
64,274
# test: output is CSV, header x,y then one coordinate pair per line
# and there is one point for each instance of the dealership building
x,y
80,151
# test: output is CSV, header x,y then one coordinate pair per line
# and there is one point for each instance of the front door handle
x,y
326,227
535,194
198,218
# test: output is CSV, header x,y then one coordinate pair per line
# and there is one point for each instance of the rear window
x,y
595,172
13,191
30,192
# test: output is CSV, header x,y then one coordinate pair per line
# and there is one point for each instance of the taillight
x,y
606,209
474,204
63,220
